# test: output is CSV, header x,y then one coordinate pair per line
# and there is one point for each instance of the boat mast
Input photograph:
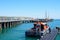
x,y
46,15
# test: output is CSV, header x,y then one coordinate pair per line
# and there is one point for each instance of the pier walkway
x,y
50,36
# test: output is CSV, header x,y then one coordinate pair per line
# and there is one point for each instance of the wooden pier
x,y
6,22
50,36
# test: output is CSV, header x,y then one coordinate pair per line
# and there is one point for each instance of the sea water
x,y
18,32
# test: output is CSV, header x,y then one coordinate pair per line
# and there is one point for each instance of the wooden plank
x,y
50,36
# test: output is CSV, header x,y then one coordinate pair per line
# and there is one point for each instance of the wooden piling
x,y
0,26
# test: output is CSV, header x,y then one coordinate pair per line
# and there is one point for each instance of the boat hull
x,y
32,34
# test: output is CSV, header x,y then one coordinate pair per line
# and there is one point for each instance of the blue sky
x,y
30,8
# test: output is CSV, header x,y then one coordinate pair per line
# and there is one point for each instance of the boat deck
x,y
50,36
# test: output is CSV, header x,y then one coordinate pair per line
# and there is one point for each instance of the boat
x,y
33,33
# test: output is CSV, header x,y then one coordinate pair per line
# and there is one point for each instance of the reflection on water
x,y
31,38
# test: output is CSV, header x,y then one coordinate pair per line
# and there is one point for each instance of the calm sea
x,y
18,32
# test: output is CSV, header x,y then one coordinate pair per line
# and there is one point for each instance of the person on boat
x,y
46,28
38,28
49,30
34,28
42,28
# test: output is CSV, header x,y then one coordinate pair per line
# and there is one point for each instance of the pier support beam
x,y
10,24
4,25
14,24
0,26
7,24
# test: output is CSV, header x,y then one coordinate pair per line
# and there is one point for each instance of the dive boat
x,y
35,33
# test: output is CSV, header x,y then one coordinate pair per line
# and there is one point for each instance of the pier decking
x,y
50,36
